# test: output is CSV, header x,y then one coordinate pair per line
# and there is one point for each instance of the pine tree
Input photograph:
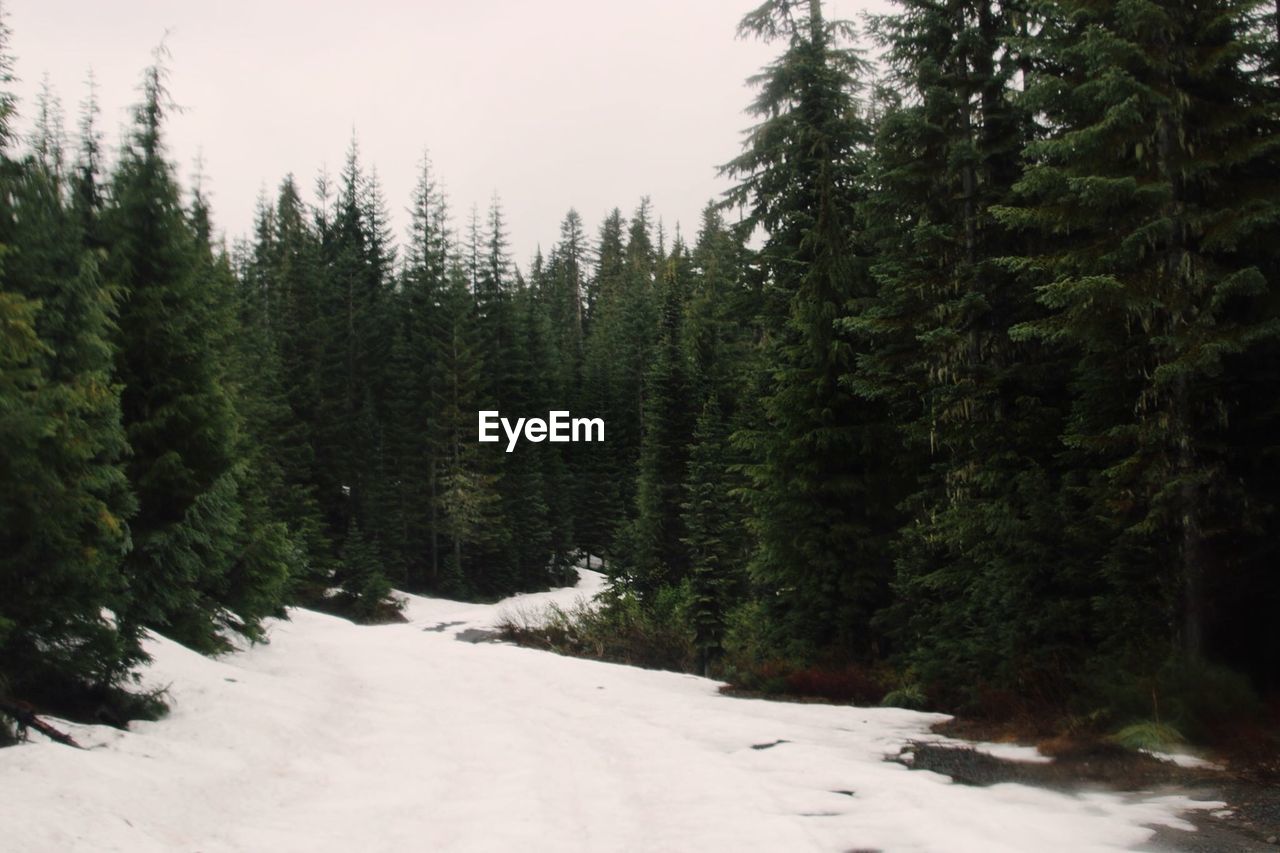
x,y
619,350
279,319
549,388
424,284
525,508
518,507
660,556
64,499
636,332
268,557
1154,170
722,316
564,290
598,506
363,577
822,501
87,200
467,478
979,412
178,417
714,537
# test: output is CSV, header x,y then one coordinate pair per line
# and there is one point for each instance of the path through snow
x,y
398,737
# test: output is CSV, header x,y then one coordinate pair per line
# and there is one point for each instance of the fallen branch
x,y
25,716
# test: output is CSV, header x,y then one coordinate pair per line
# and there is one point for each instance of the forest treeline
x,y
970,379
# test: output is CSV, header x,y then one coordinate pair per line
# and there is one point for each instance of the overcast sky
x,y
551,104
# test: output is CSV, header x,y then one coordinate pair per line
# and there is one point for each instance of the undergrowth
x,y
1111,703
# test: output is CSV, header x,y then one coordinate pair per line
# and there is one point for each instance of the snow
x,y
1184,759
400,737
1003,751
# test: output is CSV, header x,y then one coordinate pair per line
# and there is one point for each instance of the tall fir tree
x,y
178,416
982,593
1154,171
64,498
713,527
424,284
656,553
598,505
823,505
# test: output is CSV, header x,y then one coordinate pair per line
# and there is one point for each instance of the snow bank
x,y
399,737
1184,759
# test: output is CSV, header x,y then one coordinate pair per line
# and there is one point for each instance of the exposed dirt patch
x,y
1103,765
1249,783
479,635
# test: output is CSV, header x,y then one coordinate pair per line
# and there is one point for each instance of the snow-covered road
x,y
340,737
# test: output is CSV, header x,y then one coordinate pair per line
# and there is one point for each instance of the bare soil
x,y
1246,778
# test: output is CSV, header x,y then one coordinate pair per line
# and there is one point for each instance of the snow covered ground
x,y
401,737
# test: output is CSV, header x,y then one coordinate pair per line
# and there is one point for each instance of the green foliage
x,y
752,639
1195,699
821,494
1149,736
63,511
178,415
64,500
910,697
993,403
713,520
622,629
1153,170
658,555
365,587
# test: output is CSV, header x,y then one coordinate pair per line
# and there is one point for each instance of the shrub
x,y
1149,735
1195,700
619,628
910,697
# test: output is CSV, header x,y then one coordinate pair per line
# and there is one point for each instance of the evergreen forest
x,y
966,393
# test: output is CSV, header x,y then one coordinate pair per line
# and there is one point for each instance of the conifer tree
x,y
1155,169
563,289
721,314
364,581
598,504
86,178
279,315
424,283
549,388
979,413
64,499
519,504
525,508
178,416
658,554
619,350
467,478
714,532
268,558
819,487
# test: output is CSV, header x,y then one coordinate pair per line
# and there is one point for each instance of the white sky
x,y
550,103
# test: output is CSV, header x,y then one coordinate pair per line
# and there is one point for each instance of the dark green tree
x,y
1154,173
425,439
714,536
658,555
983,591
64,498
822,500
177,413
